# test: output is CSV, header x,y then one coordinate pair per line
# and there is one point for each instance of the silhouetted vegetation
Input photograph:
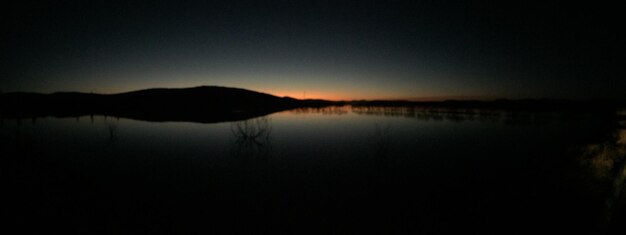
x,y
524,105
326,110
605,163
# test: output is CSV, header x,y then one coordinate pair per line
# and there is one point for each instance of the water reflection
x,y
252,139
111,126
369,168
329,110
380,143
457,115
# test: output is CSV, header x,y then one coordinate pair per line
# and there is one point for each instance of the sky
x,y
338,50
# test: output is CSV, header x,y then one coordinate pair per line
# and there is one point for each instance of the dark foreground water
x,y
332,171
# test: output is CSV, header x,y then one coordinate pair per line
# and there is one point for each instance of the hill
x,y
198,104
217,104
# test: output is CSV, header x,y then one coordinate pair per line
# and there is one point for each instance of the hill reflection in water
x,y
323,170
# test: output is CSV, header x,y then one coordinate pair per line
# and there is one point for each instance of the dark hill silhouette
x,y
198,104
216,104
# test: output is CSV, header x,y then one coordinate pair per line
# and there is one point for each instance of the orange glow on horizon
x,y
358,96
331,94
313,95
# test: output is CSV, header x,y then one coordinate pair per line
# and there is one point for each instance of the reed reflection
x,y
457,115
427,113
252,139
111,126
328,110
381,143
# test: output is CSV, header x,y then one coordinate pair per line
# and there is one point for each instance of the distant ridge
x,y
218,104
198,104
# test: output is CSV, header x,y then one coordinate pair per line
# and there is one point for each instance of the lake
x,y
318,170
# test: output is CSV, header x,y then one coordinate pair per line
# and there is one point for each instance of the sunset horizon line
x,y
291,95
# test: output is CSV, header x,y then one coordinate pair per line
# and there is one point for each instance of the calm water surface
x,y
331,170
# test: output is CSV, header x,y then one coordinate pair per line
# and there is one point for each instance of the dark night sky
x,y
332,50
